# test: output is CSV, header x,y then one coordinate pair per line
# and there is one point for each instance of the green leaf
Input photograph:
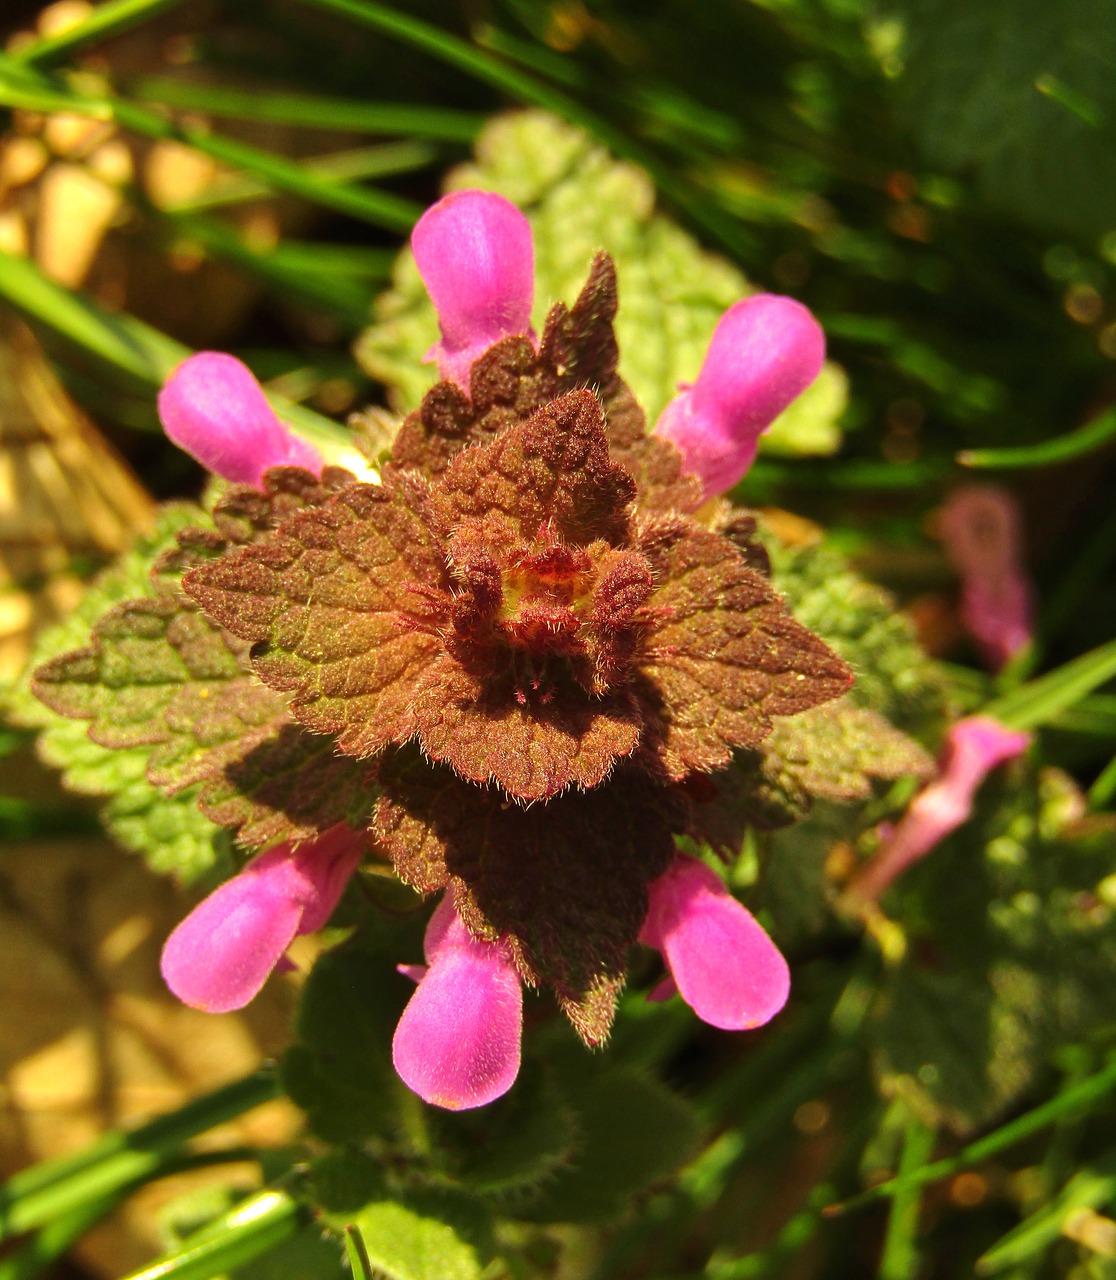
x,y
833,752
581,201
894,677
795,890
410,1231
634,1131
972,89
996,977
339,1070
511,1148
169,832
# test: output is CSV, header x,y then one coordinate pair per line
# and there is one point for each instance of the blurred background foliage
x,y
937,180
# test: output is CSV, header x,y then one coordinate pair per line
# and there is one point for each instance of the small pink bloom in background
x,y
476,257
222,953
457,1044
213,408
973,748
765,351
981,530
721,961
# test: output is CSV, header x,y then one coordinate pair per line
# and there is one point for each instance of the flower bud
x,y
213,408
222,953
765,351
476,257
457,1044
723,964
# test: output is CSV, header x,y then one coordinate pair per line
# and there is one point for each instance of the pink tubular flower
x,y
213,408
457,1043
973,748
982,533
476,257
222,953
765,351
723,964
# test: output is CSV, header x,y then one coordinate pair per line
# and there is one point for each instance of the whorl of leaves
x,y
522,649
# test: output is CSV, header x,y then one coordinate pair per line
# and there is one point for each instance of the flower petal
x,y
458,1042
212,407
725,966
222,953
320,870
973,748
765,351
476,257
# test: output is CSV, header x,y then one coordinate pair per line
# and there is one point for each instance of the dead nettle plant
x,y
524,660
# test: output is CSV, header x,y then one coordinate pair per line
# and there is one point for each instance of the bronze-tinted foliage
x,y
565,879
517,619
523,641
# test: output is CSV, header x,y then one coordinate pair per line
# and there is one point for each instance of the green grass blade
x,y
1075,444
48,1245
353,164
1104,787
899,1260
121,341
359,1263
1040,701
380,208
56,1187
441,124
1090,1188
290,273
107,19
136,348
1077,104
1093,717
492,71
1064,1103
246,1233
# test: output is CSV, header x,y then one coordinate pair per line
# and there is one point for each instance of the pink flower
x,y
765,351
723,964
476,257
982,533
212,407
222,953
457,1043
973,748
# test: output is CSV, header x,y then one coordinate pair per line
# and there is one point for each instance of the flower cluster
x,y
982,533
507,666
